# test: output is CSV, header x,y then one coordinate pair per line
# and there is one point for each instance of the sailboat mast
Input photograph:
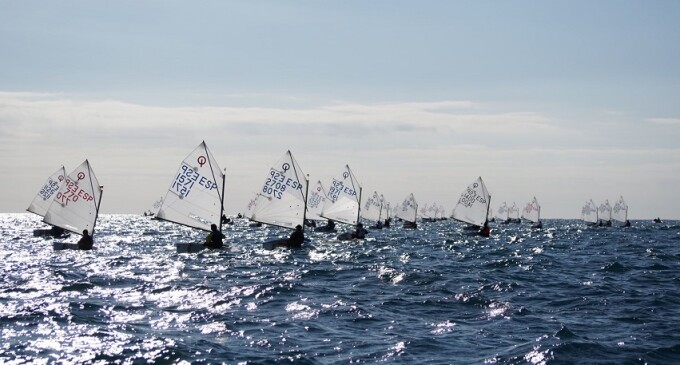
x,y
359,210
488,204
222,199
304,212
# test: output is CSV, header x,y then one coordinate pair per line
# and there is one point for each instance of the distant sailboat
x,y
502,213
344,199
373,210
75,206
604,214
620,212
195,197
473,206
282,201
43,200
154,208
408,212
315,202
513,213
589,213
532,213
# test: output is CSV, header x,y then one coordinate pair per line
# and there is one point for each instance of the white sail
x,y
45,196
344,198
620,211
589,212
76,205
251,206
408,210
195,196
386,211
395,211
315,202
513,212
282,199
372,210
424,212
473,204
502,212
532,211
605,211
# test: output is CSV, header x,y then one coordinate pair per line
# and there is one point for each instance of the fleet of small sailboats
x,y
195,199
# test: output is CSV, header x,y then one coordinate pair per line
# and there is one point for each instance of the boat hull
x,y
60,246
190,247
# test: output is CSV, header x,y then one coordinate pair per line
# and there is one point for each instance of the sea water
x,y
565,294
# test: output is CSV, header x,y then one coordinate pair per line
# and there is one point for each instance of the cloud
x,y
664,121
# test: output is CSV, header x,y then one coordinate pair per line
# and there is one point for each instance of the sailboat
x,y
513,213
620,212
589,213
604,213
282,201
195,197
408,212
44,198
502,213
344,200
532,213
315,202
154,208
75,206
373,210
473,206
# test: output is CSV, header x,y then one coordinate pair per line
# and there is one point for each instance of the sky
x,y
562,100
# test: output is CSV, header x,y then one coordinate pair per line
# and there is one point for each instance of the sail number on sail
x,y
338,187
186,178
277,183
73,193
314,200
469,197
50,188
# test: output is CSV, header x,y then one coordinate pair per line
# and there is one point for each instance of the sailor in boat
x,y
387,222
310,223
296,238
657,220
378,225
360,232
215,237
627,223
226,220
330,226
486,230
85,242
538,224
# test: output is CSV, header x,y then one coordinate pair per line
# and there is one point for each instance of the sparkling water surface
x,y
566,294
